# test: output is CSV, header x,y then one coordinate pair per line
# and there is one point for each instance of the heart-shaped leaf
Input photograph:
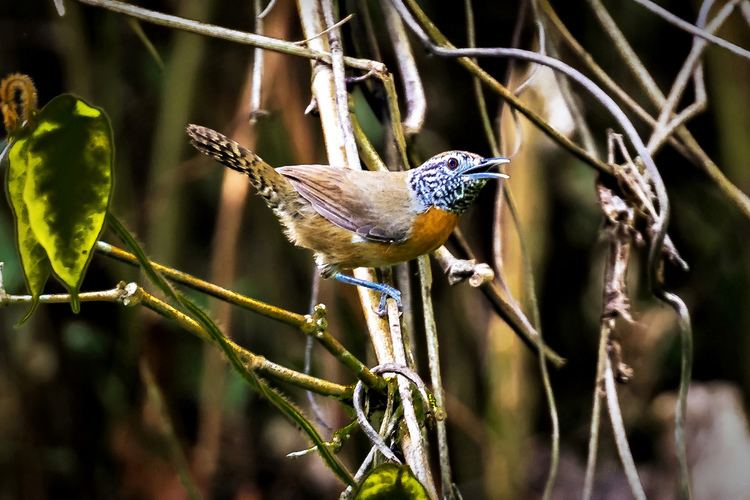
x,y
67,157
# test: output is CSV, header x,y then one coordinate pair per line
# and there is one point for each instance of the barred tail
x,y
270,184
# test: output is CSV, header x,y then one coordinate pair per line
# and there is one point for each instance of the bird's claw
x,y
385,295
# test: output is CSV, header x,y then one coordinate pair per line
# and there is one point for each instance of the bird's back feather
x,y
377,206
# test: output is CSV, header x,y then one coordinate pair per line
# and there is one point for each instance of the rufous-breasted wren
x,y
355,218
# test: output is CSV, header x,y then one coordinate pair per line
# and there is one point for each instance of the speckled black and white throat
x,y
433,188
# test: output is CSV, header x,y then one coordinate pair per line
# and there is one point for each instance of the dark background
x,y
74,417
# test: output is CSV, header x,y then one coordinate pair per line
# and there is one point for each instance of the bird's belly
x,y
345,249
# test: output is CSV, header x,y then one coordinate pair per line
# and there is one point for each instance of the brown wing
x,y
362,202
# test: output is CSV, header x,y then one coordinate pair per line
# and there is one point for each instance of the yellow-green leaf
x,y
392,482
34,262
68,164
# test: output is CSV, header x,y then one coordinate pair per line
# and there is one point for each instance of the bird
x,y
356,218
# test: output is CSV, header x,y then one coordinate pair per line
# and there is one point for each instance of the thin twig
x,y
691,66
692,29
602,75
257,74
509,311
317,411
415,448
366,149
564,85
390,420
546,383
484,115
334,26
497,145
627,53
686,364
267,9
633,62
596,410
268,310
414,97
745,8
433,359
242,37
501,90
618,429
395,114
119,293
150,48
339,85
376,438
519,90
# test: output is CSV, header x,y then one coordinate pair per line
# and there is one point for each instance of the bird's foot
x,y
387,292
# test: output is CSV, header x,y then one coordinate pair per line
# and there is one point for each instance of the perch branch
x,y
433,358
334,114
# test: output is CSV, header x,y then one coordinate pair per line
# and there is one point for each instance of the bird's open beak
x,y
481,169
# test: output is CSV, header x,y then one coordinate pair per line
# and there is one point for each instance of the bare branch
x,y
242,37
433,357
621,438
690,28
694,67
633,62
416,103
257,74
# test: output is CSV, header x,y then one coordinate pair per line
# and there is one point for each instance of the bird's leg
x,y
385,290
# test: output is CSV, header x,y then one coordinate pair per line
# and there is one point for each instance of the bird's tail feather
x,y
270,184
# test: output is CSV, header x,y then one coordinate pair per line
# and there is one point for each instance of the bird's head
x,y
452,180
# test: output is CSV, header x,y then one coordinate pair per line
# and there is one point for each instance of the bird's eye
x,y
452,163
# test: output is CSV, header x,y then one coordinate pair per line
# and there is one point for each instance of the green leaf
x,y
392,482
34,262
68,163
